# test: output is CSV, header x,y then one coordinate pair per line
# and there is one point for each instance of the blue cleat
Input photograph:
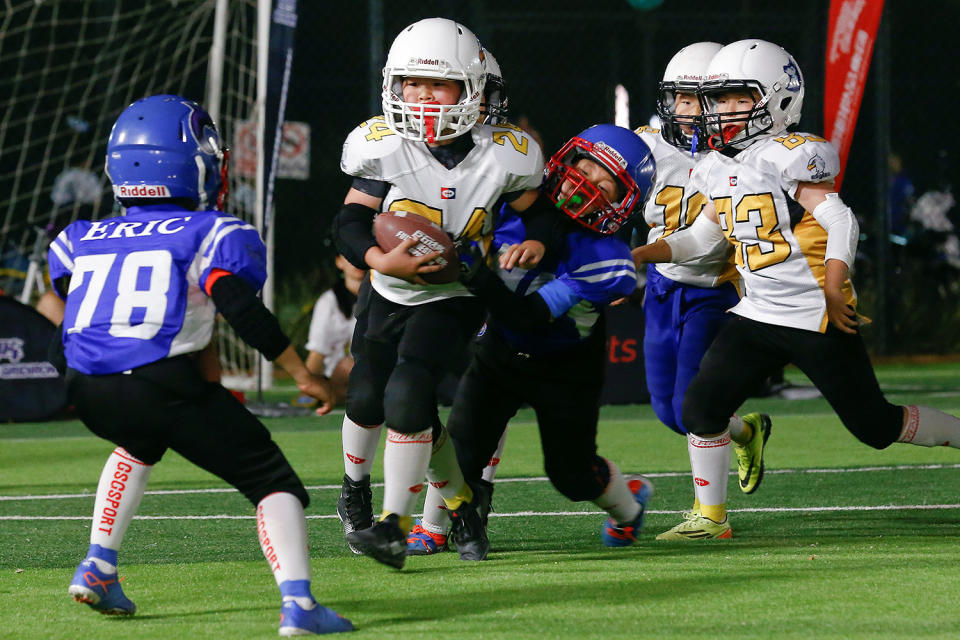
x,y
100,590
421,542
624,535
297,621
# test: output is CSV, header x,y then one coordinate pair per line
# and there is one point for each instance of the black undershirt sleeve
x,y
238,303
516,311
353,232
375,188
543,222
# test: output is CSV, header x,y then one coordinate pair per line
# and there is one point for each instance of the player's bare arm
x,y
816,197
307,383
528,253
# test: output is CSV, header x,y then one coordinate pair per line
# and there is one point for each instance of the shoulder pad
x,y
515,150
802,157
370,142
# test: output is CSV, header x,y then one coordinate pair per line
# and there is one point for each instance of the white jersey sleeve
x,y
801,157
366,147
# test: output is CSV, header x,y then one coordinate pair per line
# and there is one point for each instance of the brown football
x,y
391,227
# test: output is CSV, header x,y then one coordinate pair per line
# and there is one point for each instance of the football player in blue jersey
x,y
141,294
685,305
543,343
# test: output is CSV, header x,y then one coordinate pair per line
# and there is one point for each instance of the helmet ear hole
x,y
785,103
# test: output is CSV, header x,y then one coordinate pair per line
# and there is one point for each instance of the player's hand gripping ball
x,y
393,227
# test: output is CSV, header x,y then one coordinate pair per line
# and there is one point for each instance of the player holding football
x,y
429,534
543,343
141,294
685,305
428,155
770,194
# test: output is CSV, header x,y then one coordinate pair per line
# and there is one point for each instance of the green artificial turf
x,y
841,541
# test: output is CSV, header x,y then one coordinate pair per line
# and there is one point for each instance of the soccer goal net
x,y
69,69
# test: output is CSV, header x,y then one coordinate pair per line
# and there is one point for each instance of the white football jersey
x,y
779,248
673,205
461,200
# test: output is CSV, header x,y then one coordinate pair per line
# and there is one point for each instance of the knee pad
x,y
701,420
364,397
409,401
877,427
579,480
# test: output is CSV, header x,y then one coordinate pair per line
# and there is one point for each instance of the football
x,y
392,227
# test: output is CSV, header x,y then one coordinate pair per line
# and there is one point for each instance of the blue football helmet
x,y
621,153
165,147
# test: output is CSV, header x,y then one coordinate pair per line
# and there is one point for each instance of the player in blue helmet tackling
x,y
543,343
141,294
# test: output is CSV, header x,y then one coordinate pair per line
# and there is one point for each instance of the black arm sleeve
x,y
516,311
353,233
62,285
55,352
544,223
252,321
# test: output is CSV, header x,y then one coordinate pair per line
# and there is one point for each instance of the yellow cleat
x,y
750,455
698,527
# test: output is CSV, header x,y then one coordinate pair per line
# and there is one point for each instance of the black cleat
x,y
384,542
355,507
468,533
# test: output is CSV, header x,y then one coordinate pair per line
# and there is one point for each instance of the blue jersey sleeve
x,y
60,255
235,247
599,269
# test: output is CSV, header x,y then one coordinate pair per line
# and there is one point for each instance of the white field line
x,y
665,474
526,514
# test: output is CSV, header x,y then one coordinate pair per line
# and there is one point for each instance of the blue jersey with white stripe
x,y
590,271
137,283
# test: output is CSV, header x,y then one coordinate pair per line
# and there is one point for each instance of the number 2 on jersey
x,y
127,297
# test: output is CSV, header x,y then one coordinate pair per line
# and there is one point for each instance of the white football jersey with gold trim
x,y
674,205
779,248
461,200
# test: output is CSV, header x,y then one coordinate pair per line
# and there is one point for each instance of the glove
x,y
471,260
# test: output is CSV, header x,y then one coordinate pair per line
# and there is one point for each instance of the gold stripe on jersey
x,y
432,214
812,240
474,228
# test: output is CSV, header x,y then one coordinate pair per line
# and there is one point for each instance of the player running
x,y
429,534
141,294
428,155
770,194
685,305
543,343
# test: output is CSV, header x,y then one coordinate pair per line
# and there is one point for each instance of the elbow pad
x,y
696,240
238,303
843,230
353,232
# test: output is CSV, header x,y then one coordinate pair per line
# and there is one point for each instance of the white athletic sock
x,y
928,427
490,470
405,461
444,472
282,530
359,448
617,499
735,425
122,483
435,517
710,464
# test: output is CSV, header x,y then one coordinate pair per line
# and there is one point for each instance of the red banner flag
x,y
850,37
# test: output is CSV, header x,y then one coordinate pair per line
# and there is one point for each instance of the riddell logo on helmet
x,y
433,62
141,191
613,153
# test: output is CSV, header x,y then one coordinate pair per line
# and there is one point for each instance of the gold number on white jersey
x,y
770,247
793,140
473,230
520,145
671,199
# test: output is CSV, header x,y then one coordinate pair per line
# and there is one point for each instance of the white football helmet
x,y
683,75
494,93
434,48
766,69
